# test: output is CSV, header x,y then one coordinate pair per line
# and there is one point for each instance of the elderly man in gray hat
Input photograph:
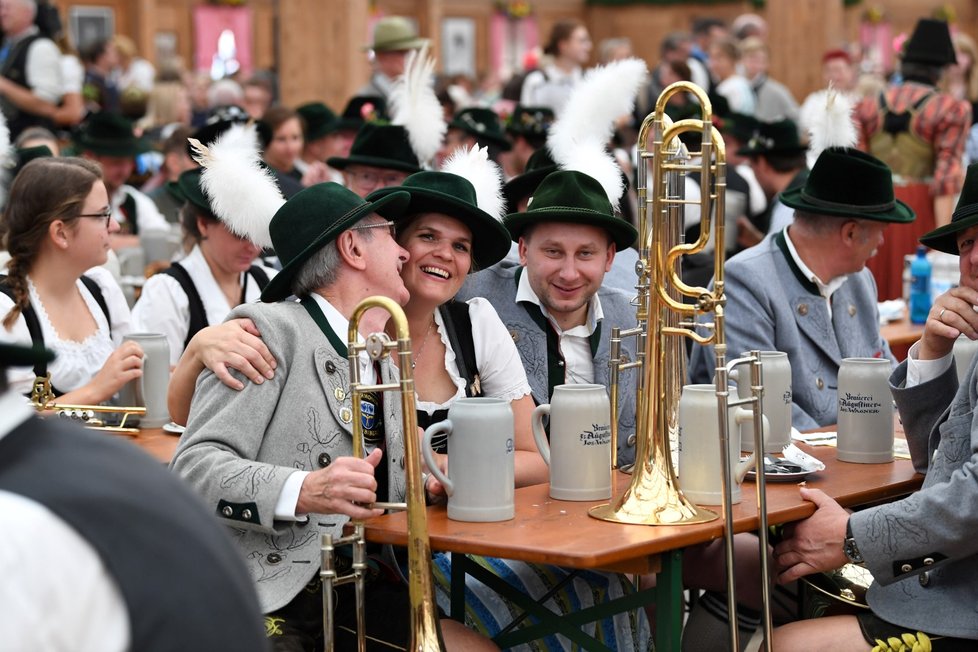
x,y
394,37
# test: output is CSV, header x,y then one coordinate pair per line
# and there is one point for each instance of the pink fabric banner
x,y
209,23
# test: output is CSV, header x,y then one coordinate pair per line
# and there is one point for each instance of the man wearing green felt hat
x,y
527,130
805,290
320,141
381,156
555,302
475,126
777,158
274,459
109,140
920,550
393,38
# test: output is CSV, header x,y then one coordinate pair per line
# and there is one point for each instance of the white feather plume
x,y
243,193
578,139
829,116
474,165
415,106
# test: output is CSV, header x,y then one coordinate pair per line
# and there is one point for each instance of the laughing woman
x,y
56,227
463,349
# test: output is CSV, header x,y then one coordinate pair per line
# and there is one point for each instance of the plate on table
x,y
782,477
779,469
173,428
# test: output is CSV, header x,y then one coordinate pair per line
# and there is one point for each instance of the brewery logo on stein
x,y
509,445
598,435
859,404
786,397
371,418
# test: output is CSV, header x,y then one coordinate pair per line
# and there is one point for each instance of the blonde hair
x,y
967,45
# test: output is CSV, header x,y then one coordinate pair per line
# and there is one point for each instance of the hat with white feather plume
x,y
830,122
415,106
468,188
241,191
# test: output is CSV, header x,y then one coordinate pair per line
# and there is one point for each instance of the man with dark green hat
x,y
109,140
320,140
527,129
920,550
777,157
275,459
805,290
381,157
475,126
554,303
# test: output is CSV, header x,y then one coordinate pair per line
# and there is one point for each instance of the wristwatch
x,y
850,548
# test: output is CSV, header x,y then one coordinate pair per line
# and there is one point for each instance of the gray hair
x,y
819,225
322,268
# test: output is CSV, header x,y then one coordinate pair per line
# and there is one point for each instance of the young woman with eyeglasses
x,y
56,228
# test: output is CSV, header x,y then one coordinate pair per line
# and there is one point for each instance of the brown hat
x,y
395,33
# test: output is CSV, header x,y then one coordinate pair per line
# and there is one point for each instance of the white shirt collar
x,y
825,289
341,326
524,292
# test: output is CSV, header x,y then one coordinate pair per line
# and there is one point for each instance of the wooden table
x,y
901,335
557,532
157,442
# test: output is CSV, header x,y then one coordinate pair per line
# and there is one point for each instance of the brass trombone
x,y
425,632
43,400
664,320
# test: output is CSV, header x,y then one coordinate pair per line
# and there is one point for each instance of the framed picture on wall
x,y
89,24
458,46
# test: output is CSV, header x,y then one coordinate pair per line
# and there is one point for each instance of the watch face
x,y
851,551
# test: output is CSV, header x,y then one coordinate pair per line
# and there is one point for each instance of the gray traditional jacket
x,y
240,446
771,306
922,550
499,284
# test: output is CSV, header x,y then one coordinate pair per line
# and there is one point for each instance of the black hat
x,y
930,44
319,120
483,125
530,121
779,137
14,355
380,146
109,134
219,120
360,110
453,195
24,155
965,215
538,166
310,220
571,196
848,183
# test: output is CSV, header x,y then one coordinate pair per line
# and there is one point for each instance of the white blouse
x,y
77,362
501,371
164,307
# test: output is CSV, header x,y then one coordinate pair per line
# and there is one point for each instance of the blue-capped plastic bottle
x,y
920,272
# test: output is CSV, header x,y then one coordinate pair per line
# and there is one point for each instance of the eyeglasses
x,y
370,179
391,227
103,215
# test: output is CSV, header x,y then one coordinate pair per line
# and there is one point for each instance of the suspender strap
x,y
198,316
129,208
458,326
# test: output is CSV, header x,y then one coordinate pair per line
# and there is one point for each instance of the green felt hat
x,y
380,146
571,196
849,183
780,137
482,124
930,44
453,195
394,34
530,121
965,215
360,110
13,355
538,166
311,219
109,134
187,189
319,120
